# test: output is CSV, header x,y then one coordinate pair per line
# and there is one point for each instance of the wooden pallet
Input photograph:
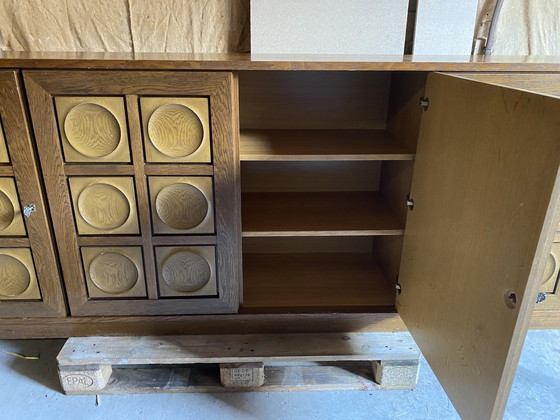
x,y
253,362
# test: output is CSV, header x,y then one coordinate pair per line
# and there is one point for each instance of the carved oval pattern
x,y
14,276
186,271
181,206
92,130
175,130
550,268
103,206
113,273
7,211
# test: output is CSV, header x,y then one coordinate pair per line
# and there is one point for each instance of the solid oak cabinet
x,y
225,194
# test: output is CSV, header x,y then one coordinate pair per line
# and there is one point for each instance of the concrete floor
x,y
30,390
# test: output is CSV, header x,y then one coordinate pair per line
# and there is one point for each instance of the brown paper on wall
x,y
125,25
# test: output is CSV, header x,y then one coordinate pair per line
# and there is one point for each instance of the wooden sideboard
x,y
201,194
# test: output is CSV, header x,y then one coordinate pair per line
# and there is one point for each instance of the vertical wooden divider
x,y
141,184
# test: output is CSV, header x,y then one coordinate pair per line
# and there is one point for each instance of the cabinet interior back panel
x,y
313,100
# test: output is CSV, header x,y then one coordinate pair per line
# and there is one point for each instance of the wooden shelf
x,y
317,214
311,145
314,280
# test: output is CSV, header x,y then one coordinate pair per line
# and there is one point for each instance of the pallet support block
x,y
242,375
84,378
396,374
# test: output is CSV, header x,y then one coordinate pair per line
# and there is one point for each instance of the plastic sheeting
x,y
125,25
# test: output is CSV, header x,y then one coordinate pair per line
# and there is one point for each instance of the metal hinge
x,y
409,202
424,103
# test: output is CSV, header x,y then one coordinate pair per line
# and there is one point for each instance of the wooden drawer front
x,y
30,285
146,167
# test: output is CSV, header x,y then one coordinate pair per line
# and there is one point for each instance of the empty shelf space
x,y
317,214
310,145
314,280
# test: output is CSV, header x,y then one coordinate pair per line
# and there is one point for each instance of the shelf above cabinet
x,y
320,145
317,214
314,280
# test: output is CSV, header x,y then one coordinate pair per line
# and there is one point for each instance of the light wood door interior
x,y
486,193
326,163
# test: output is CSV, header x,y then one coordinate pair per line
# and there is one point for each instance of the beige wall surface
x,y
528,27
125,25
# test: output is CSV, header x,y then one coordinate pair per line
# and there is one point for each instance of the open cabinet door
x,y
486,194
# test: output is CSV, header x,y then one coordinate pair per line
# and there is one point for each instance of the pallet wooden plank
x,y
237,348
336,376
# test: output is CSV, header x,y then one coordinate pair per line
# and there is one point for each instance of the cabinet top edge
x,y
232,62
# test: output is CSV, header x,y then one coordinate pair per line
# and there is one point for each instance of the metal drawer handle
x,y
27,210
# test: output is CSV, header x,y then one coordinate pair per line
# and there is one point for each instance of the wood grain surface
x,y
7,212
202,324
113,273
38,245
18,276
104,205
314,279
318,214
336,376
182,205
14,276
232,62
499,151
220,89
321,145
176,129
4,157
185,272
93,129
313,100
243,348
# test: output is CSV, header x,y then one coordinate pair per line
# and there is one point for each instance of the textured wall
x,y
125,25
528,27
445,27
328,26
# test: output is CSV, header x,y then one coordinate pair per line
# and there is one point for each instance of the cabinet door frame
x,y
23,168
221,90
486,191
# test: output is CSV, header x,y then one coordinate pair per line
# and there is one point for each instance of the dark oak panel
x,y
13,115
197,61
221,91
